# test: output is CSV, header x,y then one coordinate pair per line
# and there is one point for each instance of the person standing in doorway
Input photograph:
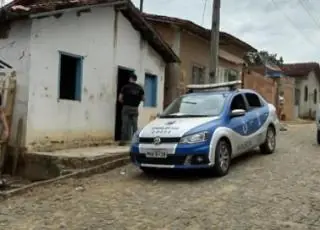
x,y
130,96
281,110
281,105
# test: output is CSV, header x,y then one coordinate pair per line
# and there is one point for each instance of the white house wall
x,y
305,106
90,35
15,50
145,60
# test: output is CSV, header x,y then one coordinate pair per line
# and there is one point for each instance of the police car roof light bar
x,y
231,85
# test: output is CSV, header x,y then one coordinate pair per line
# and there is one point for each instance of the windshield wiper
x,y
189,102
184,115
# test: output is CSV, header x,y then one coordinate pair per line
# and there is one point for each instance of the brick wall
x,y
288,86
265,86
195,50
268,89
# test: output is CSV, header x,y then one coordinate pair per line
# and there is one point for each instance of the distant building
x,y
307,86
191,43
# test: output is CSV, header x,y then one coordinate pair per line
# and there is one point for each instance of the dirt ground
x,y
279,191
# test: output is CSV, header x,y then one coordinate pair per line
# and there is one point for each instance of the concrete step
x,y
17,185
47,165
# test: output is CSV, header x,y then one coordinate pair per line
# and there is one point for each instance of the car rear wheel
x,y
318,137
269,145
222,158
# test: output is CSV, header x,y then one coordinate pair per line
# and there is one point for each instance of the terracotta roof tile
x,y
301,69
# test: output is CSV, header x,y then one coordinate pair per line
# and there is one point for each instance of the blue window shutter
x,y
154,91
150,90
78,80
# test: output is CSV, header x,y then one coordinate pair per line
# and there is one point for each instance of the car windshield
x,y
195,105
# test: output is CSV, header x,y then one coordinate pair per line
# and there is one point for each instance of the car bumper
x,y
203,166
277,125
182,157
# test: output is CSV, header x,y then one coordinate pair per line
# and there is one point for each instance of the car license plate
x,y
156,155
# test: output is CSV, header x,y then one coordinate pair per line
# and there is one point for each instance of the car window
x,y
202,104
253,100
238,102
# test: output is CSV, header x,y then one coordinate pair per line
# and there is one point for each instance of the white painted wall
x,y
146,61
92,36
15,50
312,82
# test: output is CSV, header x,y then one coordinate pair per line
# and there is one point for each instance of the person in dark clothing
x,y
130,96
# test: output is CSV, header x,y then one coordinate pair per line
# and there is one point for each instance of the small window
x,y
151,89
238,103
315,96
220,74
198,74
253,100
297,97
70,77
231,75
306,93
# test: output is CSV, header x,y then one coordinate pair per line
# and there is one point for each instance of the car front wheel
x,y
222,158
269,145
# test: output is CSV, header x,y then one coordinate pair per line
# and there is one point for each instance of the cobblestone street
x,y
279,191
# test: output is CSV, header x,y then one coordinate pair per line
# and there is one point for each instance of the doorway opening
x,y
122,79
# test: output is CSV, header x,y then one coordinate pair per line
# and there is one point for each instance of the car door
x,y
257,116
238,125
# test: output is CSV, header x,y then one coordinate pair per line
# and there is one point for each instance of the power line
x,y
292,23
204,11
304,6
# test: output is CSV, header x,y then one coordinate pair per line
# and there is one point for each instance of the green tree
x,y
261,57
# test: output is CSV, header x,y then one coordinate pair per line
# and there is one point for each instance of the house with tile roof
x,y
71,59
191,43
307,86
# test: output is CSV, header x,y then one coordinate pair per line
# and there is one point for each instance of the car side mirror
x,y
237,113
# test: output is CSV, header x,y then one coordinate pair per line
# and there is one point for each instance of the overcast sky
x,y
285,27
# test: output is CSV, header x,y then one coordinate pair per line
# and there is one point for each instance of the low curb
x,y
99,169
298,122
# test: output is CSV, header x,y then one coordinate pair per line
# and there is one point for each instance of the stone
x,y
278,191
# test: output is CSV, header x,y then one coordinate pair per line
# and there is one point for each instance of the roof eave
x,y
197,28
128,9
156,41
239,42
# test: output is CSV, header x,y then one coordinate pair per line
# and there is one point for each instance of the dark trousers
x,y
129,122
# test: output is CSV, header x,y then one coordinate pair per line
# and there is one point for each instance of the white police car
x,y
206,129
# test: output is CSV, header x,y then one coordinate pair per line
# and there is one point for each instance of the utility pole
x,y
214,43
141,5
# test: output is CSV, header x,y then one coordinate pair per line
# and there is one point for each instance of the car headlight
x,y
135,138
195,138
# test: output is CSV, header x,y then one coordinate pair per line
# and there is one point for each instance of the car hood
x,y
173,127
